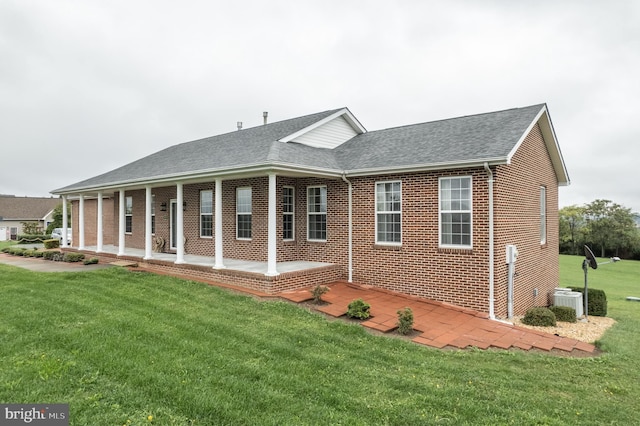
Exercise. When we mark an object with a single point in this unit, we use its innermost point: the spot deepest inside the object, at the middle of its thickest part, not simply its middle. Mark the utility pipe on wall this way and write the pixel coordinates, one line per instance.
(344, 178)
(491, 254)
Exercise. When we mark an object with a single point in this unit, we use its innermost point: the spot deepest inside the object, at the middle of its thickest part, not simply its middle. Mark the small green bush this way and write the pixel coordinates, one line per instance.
(539, 316)
(38, 254)
(73, 257)
(317, 293)
(91, 261)
(597, 303)
(29, 253)
(6, 249)
(359, 309)
(17, 251)
(53, 255)
(405, 321)
(51, 243)
(564, 313)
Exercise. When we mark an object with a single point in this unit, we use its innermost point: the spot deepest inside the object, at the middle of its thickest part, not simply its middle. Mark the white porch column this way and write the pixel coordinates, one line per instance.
(65, 222)
(99, 234)
(218, 225)
(272, 244)
(121, 223)
(147, 224)
(81, 224)
(179, 223)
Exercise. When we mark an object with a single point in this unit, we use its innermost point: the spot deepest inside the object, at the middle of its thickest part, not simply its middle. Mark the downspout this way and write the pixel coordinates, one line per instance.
(491, 256)
(344, 178)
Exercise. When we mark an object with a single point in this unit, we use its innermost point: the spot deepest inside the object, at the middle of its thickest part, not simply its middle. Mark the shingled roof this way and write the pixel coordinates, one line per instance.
(490, 137)
(26, 208)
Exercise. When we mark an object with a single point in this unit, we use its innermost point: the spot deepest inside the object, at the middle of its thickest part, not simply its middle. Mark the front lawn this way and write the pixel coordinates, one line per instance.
(133, 348)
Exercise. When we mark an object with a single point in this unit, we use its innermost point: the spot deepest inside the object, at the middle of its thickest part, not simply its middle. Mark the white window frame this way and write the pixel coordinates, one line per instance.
(442, 211)
(128, 214)
(543, 215)
(384, 203)
(320, 213)
(291, 214)
(153, 214)
(205, 191)
(245, 212)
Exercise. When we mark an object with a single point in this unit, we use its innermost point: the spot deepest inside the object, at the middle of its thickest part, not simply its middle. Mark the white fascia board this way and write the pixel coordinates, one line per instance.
(551, 142)
(426, 167)
(206, 175)
(350, 118)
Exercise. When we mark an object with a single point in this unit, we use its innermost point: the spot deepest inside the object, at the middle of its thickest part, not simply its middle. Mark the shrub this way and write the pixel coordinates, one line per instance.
(317, 293)
(29, 253)
(51, 243)
(38, 253)
(17, 251)
(539, 316)
(73, 257)
(91, 261)
(359, 309)
(6, 249)
(53, 255)
(405, 321)
(597, 303)
(564, 313)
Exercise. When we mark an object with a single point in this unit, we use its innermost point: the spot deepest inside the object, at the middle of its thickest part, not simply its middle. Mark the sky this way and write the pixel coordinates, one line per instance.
(88, 86)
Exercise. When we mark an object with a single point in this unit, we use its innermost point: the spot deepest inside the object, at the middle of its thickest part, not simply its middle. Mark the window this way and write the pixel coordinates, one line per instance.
(288, 211)
(206, 213)
(153, 213)
(455, 212)
(317, 213)
(128, 214)
(543, 215)
(388, 212)
(243, 213)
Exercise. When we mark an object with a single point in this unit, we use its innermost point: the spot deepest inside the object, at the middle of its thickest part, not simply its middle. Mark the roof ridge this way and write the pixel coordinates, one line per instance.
(455, 118)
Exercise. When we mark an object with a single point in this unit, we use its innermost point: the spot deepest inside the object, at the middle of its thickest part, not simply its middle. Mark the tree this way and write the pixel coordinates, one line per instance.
(57, 218)
(609, 226)
(572, 222)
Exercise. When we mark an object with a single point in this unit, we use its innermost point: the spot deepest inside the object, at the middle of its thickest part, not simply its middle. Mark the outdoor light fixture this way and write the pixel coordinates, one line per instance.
(163, 207)
(184, 206)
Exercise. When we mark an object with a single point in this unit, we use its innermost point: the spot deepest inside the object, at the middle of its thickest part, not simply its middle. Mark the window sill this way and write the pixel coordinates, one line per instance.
(206, 237)
(393, 247)
(317, 241)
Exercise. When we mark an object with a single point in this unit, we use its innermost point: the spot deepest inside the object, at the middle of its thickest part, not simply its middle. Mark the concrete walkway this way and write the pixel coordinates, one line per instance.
(440, 325)
(41, 265)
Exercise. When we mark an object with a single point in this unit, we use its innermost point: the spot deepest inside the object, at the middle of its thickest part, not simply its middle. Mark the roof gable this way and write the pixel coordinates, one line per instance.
(330, 132)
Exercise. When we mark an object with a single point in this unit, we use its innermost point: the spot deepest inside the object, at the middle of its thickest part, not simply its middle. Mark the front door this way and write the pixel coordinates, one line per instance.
(173, 224)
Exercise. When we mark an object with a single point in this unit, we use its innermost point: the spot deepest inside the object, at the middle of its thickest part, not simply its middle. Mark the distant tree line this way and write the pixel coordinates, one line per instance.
(608, 228)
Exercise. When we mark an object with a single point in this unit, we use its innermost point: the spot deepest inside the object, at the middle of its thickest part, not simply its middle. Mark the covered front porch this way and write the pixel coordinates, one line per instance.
(242, 273)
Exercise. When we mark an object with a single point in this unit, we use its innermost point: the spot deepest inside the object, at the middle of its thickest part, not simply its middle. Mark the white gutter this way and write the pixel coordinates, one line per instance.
(491, 256)
(344, 178)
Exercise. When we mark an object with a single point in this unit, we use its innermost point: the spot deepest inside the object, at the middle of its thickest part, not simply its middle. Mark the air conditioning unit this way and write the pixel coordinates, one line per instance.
(572, 299)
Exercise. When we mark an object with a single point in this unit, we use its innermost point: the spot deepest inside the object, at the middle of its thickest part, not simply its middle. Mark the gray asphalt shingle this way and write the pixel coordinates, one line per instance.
(457, 140)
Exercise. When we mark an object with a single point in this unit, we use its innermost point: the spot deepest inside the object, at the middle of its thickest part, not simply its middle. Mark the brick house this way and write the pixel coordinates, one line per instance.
(426, 209)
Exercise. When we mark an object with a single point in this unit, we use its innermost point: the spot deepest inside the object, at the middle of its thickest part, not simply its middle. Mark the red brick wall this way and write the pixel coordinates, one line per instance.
(517, 221)
(91, 222)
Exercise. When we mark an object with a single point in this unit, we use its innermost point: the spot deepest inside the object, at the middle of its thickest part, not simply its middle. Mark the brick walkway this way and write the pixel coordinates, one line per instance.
(440, 324)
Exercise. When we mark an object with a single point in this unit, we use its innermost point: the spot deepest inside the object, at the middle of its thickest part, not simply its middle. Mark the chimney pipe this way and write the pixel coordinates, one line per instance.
(265, 115)
(239, 125)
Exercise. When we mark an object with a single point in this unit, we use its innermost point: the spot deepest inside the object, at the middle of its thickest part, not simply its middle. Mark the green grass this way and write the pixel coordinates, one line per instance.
(120, 346)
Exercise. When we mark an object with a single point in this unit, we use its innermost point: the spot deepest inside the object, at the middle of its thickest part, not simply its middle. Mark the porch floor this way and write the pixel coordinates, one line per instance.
(229, 264)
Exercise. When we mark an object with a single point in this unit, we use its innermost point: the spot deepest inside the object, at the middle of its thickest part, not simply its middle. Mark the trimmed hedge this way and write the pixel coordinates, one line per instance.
(539, 316)
(30, 239)
(51, 243)
(564, 313)
(597, 301)
(73, 257)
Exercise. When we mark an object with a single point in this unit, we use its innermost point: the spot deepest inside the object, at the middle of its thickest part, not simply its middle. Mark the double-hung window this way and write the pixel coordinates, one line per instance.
(288, 212)
(206, 213)
(455, 212)
(543, 215)
(317, 213)
(389, 212)
(243, 213)
(128, 214)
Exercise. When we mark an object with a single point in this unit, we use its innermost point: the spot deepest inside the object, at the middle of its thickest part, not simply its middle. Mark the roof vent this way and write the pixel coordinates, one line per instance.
(264, 116)
(239, 125)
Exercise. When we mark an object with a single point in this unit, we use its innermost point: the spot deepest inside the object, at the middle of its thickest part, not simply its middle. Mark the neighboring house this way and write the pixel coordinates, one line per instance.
(16, 210)
(426, 209)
